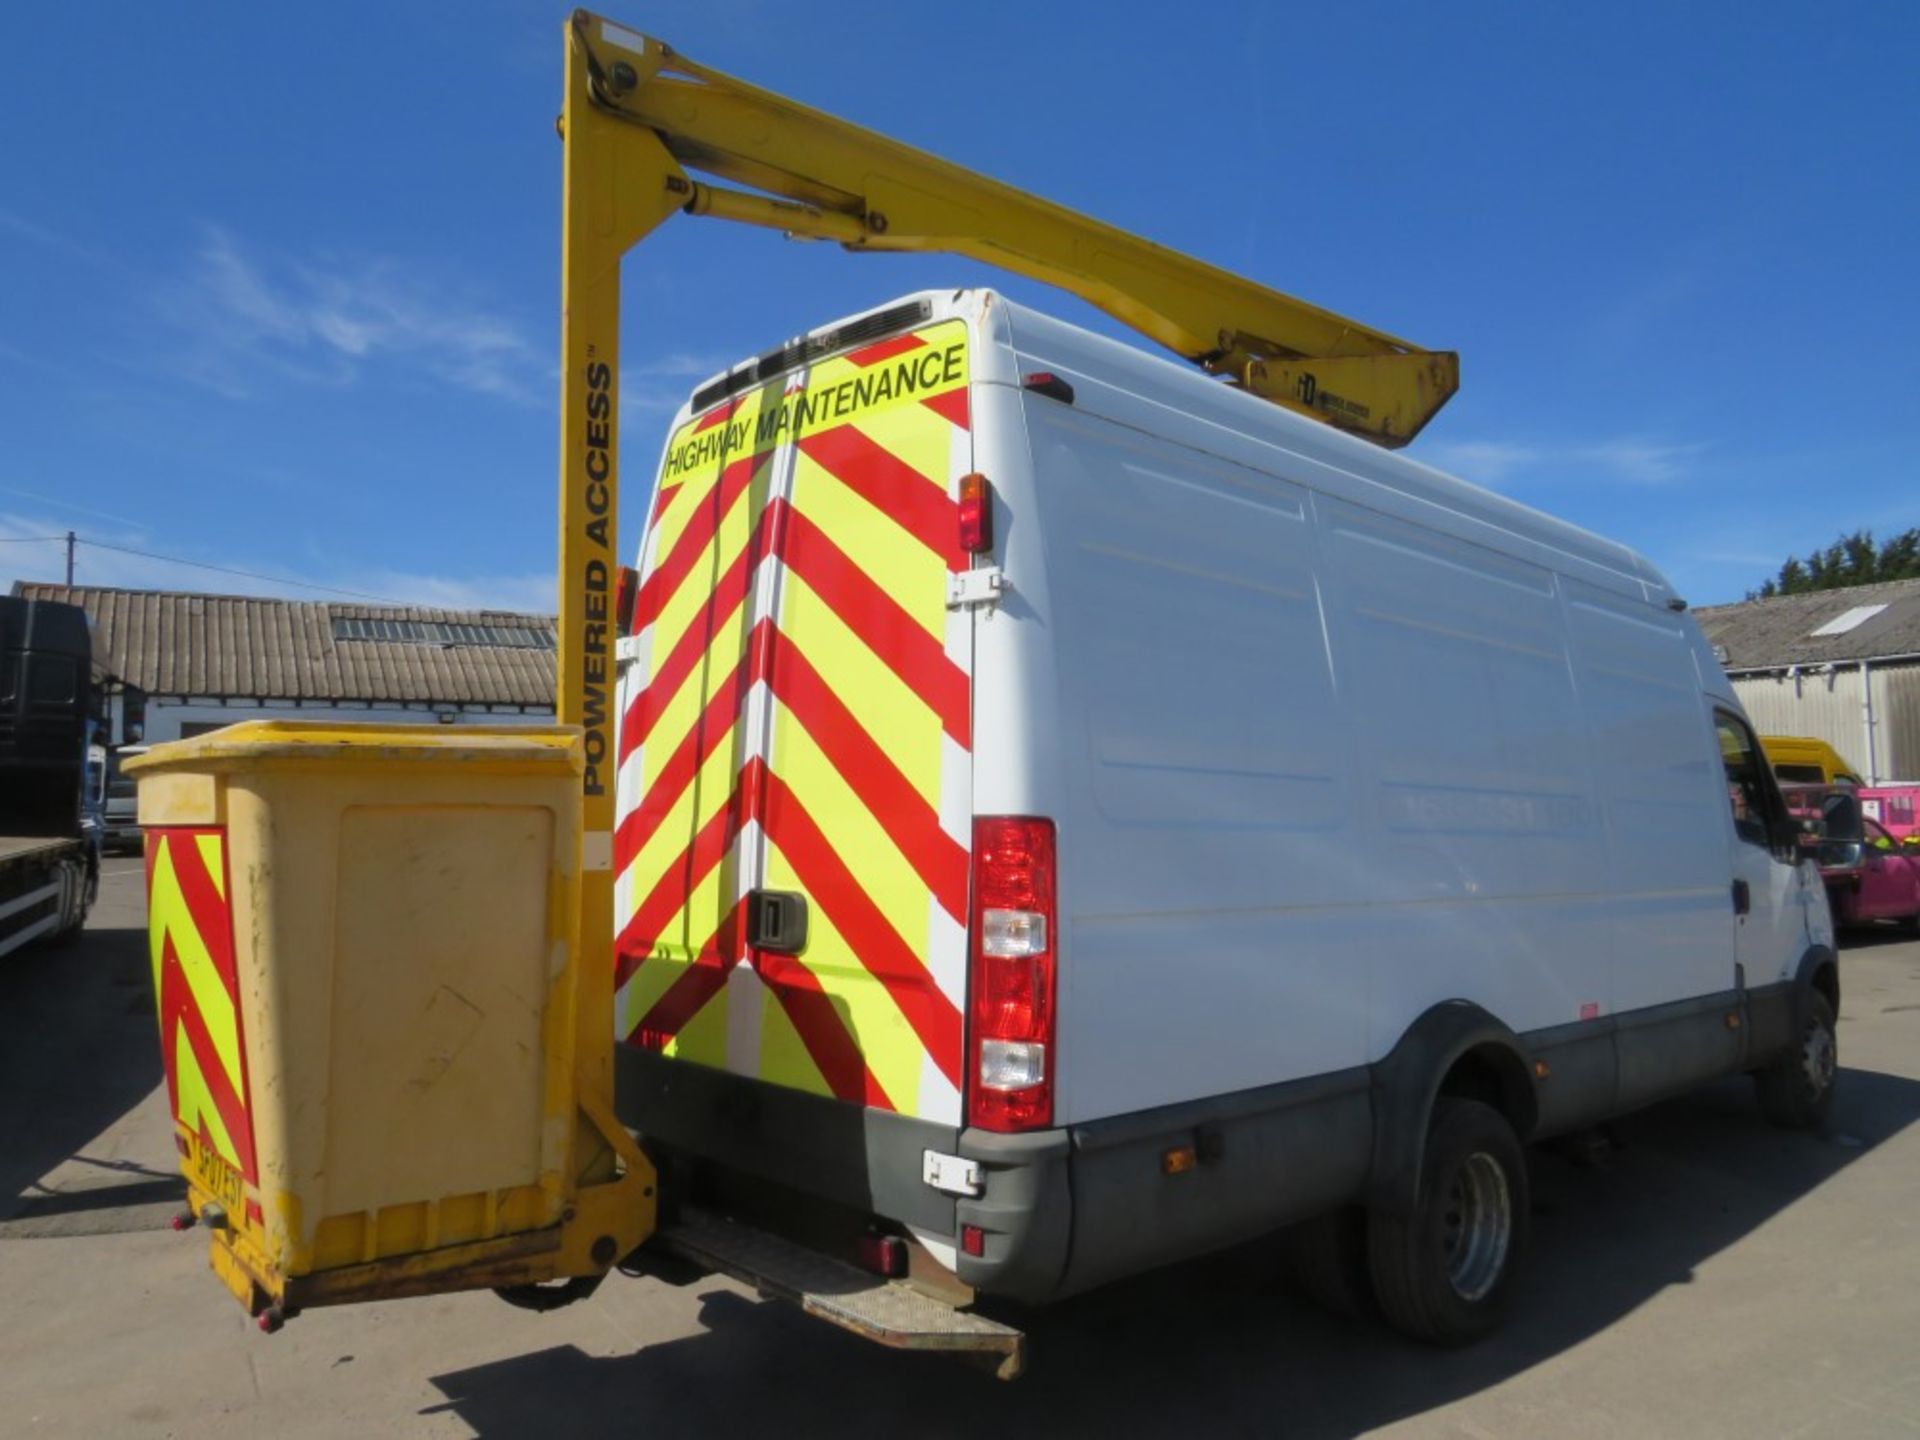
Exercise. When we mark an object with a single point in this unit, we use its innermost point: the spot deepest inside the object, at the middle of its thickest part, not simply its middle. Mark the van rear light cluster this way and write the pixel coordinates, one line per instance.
(976, 514)
(1013, 974)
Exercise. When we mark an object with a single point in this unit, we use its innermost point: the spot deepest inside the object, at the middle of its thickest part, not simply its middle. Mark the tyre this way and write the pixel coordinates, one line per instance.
(1797, 1089)
(1444, 1273)
(1326, 1259)
(69, 934)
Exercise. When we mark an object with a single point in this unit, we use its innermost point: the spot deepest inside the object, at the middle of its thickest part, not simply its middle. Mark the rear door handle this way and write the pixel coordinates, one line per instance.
(1742, 897)
(777, 921)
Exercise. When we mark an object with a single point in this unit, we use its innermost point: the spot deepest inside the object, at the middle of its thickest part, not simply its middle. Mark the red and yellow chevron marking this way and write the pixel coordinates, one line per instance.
(797, 715)
(190, 935)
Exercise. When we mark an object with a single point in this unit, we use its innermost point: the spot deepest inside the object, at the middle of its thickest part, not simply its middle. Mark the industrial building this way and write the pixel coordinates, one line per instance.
(210, 660)
(1839, 665)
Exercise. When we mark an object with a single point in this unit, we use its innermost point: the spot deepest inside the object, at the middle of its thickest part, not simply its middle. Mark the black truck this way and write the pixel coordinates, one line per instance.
(54, 730)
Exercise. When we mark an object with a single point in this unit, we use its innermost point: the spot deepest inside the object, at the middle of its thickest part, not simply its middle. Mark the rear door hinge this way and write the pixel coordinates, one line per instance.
(969, 589)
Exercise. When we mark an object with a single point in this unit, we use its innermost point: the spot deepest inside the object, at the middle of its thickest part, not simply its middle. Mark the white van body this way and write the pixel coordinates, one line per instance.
(1367, 785)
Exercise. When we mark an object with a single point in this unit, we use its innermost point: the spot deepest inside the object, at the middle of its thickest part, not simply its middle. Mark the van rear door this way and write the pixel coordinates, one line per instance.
(795, 745)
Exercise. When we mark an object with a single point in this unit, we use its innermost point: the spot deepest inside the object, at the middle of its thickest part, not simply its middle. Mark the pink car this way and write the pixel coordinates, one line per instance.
(1897, 807)
(1887, 884)
(1869, 874)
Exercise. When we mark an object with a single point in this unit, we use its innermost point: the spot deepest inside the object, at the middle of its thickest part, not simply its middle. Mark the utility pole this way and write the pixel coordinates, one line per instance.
(70, 540)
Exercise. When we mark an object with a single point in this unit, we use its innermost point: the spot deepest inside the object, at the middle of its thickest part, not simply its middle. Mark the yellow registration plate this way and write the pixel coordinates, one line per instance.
(217, 1177)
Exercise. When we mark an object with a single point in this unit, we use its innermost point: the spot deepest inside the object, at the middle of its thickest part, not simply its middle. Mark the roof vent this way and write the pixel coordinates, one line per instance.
(1848, 620)
(443, 633)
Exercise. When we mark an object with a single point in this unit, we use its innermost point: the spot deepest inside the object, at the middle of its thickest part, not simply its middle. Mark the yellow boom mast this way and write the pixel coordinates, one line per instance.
(638, 117)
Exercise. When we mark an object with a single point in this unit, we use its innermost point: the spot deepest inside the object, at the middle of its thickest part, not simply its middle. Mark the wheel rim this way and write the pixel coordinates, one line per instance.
(1817, 1057)
(1477, 1226)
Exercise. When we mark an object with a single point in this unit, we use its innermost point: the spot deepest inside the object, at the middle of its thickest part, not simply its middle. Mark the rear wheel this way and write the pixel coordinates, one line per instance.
(1797, 1089)
(69, 933)
(1443, 1274)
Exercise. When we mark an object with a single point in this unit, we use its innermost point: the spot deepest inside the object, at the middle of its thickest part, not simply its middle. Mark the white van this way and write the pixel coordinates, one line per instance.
(1075, 815)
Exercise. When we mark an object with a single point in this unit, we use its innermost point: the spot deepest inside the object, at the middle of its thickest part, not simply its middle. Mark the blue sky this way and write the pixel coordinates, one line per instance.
(278, 288)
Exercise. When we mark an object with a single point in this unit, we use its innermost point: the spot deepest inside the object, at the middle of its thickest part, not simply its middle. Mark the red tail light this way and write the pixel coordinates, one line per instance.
(884, 1255)
(1015, 942)
(976, 514)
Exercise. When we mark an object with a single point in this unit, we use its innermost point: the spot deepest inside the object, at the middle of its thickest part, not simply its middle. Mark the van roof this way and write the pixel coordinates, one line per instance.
(1184, 405)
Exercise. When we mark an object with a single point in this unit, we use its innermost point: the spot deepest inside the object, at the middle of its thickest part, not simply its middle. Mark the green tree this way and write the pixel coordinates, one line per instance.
(1850, 560)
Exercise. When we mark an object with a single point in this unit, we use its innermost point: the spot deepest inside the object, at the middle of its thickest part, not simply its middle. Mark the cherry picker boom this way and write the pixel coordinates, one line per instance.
(639, 116)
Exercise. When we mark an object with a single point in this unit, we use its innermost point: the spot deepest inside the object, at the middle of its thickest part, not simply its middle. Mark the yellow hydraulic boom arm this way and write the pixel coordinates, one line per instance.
(638, 117)
(836, 181)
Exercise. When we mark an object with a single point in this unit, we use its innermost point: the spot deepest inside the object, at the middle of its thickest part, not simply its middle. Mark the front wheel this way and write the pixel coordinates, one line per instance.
(1796, 1091)
(1444, 1273)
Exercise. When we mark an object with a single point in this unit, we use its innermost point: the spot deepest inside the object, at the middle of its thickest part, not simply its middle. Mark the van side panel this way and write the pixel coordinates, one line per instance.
(1206, 812)
(1320, 767)
(1665, 807)
(1480, 838)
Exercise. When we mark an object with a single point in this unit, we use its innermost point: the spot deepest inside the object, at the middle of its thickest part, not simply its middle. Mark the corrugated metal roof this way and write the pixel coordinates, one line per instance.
(170, 643)
(1762, 633)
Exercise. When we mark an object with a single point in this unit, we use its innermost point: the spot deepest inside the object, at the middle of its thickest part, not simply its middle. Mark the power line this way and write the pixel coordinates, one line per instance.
(243, 574)
(59, 504)
(203, 565)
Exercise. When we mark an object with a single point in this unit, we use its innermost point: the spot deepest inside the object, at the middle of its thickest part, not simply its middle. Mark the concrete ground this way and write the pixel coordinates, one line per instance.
(1708, 1277)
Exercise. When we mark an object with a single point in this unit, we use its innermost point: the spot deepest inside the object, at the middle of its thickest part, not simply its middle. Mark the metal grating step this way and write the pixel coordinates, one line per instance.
(880, 1310)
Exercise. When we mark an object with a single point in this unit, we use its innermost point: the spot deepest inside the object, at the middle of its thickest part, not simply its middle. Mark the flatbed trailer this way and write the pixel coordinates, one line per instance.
(47, 884)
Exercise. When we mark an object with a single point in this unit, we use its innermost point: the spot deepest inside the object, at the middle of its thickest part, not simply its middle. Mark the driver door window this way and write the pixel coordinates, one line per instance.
(1746, 784)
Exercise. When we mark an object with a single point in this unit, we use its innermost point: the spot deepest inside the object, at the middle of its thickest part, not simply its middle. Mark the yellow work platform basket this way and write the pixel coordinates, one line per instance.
(386, 1071)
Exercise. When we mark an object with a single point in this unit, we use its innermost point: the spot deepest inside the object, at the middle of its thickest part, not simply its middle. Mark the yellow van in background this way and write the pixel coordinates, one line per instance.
(1805, 760)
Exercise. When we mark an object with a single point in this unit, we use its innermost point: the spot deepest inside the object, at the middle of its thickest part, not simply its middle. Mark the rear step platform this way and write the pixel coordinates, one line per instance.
(881, 1310)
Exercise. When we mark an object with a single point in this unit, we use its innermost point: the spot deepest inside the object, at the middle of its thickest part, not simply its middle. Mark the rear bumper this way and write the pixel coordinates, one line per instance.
(1060, 1210)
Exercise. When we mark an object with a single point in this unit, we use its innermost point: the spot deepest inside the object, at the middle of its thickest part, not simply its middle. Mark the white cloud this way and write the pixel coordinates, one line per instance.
(1494, 463)
(1639, 461)
(40, 235)
(660, 385)
(327, 322)
(683, 364)
(1487, 461)
(533, 593)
